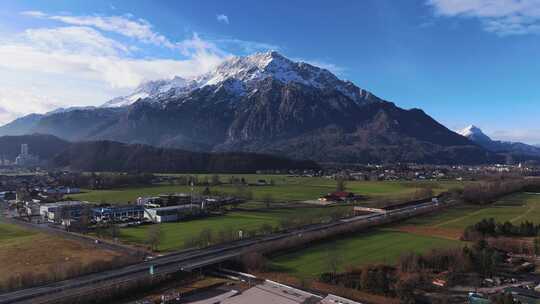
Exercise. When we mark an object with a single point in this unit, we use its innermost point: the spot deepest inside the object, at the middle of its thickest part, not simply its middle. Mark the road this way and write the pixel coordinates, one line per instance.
(188, 260)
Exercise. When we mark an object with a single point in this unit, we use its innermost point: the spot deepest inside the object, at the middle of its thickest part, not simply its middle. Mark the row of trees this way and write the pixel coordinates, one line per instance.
(490, 228)
(212, 180)
(415, 271)
(489, 191)
(105, 180)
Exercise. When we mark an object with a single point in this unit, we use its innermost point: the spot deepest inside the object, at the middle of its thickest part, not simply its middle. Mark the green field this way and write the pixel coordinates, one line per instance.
(386, 245)
(175, 235)
(285, 189)
(9, 233)
(379, 246)
(515, 208)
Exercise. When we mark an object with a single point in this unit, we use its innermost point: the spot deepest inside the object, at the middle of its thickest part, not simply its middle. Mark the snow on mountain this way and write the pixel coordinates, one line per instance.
(471, 130)
(476, 135)
(241, 75)
(148, 89)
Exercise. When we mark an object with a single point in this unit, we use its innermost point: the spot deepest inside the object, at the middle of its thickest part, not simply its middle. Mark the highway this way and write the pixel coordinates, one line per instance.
(188, 260)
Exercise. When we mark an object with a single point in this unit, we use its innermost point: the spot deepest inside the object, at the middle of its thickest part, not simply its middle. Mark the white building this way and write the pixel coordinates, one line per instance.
(171, 213)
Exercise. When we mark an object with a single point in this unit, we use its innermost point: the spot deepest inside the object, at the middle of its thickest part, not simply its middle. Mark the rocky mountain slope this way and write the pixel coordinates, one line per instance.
(266, 103)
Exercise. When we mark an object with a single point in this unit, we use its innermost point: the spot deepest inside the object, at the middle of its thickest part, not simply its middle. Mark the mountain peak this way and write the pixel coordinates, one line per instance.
(470, 130)
(474, 133)
(243, 74)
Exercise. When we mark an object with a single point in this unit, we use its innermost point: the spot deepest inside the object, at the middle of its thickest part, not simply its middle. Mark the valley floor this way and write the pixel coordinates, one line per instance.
(419, 235)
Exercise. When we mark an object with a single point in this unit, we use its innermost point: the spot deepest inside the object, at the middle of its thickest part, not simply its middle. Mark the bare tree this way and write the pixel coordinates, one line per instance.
(154, 236)
(341, 184)
(333, 260)
(215, 180)
(268, 200)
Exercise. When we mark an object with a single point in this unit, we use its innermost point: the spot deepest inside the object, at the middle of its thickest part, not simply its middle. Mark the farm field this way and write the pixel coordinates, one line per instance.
(284, 189)
(175, 235)
(377, 246)
(420, 234)
(24, 251)
(515, 208)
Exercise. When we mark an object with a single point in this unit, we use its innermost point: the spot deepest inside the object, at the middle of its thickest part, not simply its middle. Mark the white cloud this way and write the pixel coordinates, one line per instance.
(74, 39)
(79, 65)
(247, 46)
(15, 103)
(83, 53)
(124, 25)
(36, 14)
(504, 17)
(334, 68)
(223, 18)
(87, 60)
(530, 136)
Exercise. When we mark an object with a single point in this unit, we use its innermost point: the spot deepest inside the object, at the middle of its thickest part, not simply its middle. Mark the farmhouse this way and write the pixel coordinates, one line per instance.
(339, 196)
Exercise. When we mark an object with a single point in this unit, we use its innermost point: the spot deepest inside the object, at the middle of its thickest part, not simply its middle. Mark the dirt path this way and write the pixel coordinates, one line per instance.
(431, 231)
(531, 209)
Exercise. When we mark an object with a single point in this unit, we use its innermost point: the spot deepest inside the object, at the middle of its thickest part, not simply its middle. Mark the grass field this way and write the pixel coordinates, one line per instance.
(378, 246)
(515, 208)
(416, 235)
(9, 233)
(284, 189)
(175, 235)
(26, 251)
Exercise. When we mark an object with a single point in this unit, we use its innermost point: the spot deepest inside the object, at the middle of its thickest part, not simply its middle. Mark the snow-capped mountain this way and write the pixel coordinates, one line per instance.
(150, 89)
(241, 75)
(477, 135)
(266, 103)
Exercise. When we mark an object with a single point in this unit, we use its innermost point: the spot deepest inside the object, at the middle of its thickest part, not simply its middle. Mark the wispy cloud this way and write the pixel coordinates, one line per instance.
(334, 68)
(128, 26)
(223, 18)
(83, 61)
(503, 17)
(246, 46)
(530, 136)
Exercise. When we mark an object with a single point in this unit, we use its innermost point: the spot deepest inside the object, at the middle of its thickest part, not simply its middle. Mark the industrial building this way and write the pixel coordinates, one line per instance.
(25, 158)
(61, 211)
(172, 213)
(116, 214)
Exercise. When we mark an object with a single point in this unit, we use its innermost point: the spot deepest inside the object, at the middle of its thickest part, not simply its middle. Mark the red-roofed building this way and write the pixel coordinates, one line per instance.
(339, 196)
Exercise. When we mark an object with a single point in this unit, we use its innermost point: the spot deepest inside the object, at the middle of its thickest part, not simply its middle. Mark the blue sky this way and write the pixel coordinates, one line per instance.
(462, 61)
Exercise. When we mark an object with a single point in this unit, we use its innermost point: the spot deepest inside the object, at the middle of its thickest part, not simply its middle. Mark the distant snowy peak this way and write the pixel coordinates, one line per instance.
(475, 134)
(471, 130)
(241, 75)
